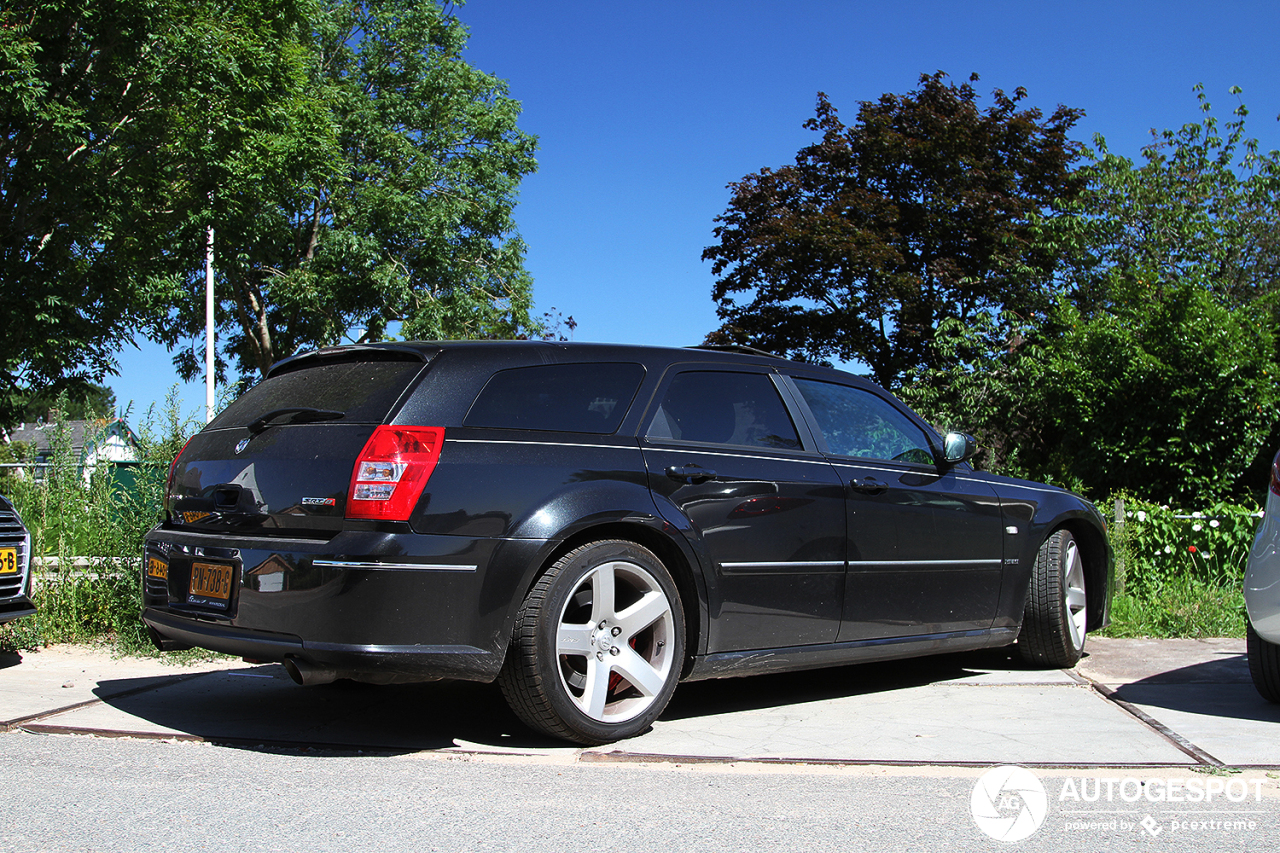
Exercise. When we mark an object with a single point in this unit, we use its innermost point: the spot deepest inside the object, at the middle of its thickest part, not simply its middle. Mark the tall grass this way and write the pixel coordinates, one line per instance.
(93, 527)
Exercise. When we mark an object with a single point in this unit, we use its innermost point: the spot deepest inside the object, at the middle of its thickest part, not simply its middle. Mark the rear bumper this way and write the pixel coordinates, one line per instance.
(413, 662)
(365, 603)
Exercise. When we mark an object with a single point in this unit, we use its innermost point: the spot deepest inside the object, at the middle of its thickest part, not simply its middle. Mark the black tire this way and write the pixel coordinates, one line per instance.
(1264, 665)
(1053, 623)
(632, 646)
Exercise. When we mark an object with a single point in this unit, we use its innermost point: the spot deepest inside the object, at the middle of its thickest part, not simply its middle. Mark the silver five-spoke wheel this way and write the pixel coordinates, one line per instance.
(598, 645)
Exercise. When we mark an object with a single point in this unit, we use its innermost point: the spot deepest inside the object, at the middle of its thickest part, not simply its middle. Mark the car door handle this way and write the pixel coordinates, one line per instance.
(690, 474)
(867, 485)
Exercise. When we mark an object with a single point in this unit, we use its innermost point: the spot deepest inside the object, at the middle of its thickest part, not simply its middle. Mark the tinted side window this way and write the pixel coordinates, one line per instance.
(364, 390)
(719, 407)
(590, 398)
(858, 423)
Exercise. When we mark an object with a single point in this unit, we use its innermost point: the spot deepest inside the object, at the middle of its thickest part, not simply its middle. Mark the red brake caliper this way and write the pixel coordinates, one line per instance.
(614, 678)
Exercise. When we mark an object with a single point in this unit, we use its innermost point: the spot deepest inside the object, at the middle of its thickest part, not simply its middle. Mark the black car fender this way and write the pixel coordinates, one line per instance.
(1037, 512)
(604, 509)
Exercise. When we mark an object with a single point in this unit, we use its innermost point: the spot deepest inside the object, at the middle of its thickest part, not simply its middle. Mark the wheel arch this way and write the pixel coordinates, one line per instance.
(1098, 567)
(663, 541)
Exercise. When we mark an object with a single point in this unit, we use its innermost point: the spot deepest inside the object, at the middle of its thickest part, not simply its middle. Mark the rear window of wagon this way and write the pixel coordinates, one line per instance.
(364, 391)
(590, 398)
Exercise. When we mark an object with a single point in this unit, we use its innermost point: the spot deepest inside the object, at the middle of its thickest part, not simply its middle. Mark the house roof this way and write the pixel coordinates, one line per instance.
(40, 435)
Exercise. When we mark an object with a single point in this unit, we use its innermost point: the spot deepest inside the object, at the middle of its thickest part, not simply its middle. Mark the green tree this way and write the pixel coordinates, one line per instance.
(1156, 371)
(927, 207)
(1172, 398)
(382, 196)
(100, 102)
(91, 401)
(1202, 207)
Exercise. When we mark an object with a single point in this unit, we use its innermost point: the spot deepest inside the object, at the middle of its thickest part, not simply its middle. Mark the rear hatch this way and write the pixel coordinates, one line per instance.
(280, 458)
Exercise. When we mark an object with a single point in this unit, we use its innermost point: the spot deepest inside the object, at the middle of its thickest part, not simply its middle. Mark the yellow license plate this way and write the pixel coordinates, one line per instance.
(211, 581)
(157, 568)
(8, 561)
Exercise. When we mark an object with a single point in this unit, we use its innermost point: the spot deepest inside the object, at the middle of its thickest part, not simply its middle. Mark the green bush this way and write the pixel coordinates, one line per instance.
(1180, 573)
(93, 527)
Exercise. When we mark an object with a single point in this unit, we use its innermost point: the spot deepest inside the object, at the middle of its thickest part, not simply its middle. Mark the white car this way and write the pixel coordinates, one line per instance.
(15, 565)
(1262, 595)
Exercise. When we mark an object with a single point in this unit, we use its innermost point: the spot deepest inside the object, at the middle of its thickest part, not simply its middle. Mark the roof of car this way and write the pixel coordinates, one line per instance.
(553, 351)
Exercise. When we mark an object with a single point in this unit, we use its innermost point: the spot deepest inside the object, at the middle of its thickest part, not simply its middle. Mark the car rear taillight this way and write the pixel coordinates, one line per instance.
(392, 471)
(1275, 474)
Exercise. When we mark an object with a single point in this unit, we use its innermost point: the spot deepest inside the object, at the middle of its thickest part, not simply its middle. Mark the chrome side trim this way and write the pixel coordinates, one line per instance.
(392, 567)
(780, 567)
(998, 562)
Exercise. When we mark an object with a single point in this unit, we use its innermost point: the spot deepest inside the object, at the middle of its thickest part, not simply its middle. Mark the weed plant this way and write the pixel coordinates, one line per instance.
(87, 528)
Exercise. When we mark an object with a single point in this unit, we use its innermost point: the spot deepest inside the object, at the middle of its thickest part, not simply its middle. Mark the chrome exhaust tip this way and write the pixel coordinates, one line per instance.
(308, 675)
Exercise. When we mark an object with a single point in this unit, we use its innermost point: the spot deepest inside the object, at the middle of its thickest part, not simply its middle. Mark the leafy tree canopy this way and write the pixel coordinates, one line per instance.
(380, 193)
(1156, 371)
(76, 403)
(100, 105)
(926, 208)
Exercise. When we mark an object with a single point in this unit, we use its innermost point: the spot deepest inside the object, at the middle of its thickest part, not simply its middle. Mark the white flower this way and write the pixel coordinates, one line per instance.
(1197, 515)
(1129, 514)
(1142, 515)
(1214, 523)
(1168, 549)
(1197, 528)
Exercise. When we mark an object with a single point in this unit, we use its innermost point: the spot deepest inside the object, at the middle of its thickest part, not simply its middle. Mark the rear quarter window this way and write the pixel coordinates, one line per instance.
(364, 391)
(590, 398)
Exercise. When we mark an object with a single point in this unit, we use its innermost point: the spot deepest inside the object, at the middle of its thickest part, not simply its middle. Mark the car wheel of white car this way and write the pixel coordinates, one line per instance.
(1264, 665)
(598, 645)
(1056, 615)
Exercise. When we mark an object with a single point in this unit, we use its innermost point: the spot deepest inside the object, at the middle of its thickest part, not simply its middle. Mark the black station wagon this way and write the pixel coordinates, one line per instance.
(589, 524)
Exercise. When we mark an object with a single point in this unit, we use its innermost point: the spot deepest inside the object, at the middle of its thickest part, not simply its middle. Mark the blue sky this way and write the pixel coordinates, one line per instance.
(646, 111)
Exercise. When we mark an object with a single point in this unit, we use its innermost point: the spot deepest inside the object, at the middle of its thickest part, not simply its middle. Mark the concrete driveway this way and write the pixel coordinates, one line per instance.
(1150, 703)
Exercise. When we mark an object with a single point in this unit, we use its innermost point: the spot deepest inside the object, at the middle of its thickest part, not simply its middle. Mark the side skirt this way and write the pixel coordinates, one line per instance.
(761, 661)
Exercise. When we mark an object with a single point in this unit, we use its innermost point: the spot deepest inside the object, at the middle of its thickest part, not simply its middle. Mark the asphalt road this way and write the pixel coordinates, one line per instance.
(70, 793)
(1147, 745)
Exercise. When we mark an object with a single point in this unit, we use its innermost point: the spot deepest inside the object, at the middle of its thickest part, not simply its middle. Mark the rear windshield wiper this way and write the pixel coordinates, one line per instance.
(301, 414)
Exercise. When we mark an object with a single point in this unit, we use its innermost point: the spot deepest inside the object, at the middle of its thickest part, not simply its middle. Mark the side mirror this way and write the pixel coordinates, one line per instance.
(958, 447)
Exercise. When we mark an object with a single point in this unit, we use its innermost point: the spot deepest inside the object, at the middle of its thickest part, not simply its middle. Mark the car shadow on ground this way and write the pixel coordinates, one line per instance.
(758, 692)
(8, 659)
(259, 707)
(1220, 688)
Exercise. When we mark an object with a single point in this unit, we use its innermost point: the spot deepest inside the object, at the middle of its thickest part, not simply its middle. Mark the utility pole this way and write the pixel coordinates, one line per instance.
(208, 327)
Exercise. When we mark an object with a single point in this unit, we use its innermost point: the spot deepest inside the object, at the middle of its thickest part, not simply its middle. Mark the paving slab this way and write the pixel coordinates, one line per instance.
(1200, 689)
(1214, 660)
(33, 683)
(944, 724)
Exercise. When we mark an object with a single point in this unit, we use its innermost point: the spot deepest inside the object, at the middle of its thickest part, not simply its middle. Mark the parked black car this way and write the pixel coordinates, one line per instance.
(589, 524)
(15, 565)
